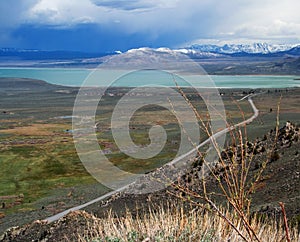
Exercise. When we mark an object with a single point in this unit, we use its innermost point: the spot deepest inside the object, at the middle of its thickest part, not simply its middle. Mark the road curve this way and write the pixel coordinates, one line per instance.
(216, 135)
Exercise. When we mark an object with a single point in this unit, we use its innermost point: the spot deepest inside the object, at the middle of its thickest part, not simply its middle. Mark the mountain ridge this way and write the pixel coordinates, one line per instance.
(230, 50)
(254, 48)
(207, 50)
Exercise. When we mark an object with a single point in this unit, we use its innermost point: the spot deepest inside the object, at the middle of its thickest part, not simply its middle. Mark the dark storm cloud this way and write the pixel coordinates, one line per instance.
(133, 23)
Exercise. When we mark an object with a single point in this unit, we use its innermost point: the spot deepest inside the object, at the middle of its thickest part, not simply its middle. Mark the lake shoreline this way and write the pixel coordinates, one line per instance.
(78, 77)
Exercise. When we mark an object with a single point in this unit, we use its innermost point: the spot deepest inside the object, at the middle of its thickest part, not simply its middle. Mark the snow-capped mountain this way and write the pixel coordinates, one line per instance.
(255, 48)
(215, 51)
(185, 51)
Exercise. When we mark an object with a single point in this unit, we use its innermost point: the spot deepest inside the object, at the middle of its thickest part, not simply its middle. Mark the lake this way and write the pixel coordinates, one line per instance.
(76, 77)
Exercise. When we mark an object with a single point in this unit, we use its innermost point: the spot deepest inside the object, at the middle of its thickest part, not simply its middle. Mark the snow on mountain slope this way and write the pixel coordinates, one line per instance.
(215, 51)
(255, 48)
(162, 50)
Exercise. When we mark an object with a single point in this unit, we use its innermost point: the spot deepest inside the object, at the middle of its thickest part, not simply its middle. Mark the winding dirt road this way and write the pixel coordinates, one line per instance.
(173, 162)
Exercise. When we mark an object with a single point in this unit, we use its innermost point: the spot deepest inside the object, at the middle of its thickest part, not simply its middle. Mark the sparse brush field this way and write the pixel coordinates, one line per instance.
(41, 173)
(38, 155)
(267, 105)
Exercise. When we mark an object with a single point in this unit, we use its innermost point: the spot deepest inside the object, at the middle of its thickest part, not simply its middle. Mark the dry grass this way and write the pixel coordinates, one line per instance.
(209, 222)
(175, 224)
(36, 130)
(234, 183)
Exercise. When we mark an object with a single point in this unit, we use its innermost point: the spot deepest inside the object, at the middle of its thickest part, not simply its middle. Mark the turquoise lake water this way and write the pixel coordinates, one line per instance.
(76, 77)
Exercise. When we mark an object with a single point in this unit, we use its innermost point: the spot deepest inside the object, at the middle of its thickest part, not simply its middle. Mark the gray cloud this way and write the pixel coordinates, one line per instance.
(125, 4)
(12, 12)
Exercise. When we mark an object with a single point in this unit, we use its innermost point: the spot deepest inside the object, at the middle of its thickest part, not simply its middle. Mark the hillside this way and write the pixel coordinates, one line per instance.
(23, 84)
(279, 183)
(241, 66)
(15, 85)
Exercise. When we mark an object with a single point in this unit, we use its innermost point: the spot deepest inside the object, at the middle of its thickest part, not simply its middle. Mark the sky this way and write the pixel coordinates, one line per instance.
(118, 25)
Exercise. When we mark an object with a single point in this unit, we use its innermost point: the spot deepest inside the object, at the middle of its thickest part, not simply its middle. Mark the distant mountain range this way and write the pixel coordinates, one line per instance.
(196, 50)
(26, 54)
(232, 50)
(255, 48)
(257, 58)
(281, 60)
